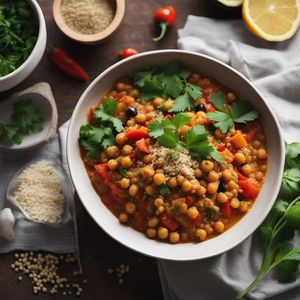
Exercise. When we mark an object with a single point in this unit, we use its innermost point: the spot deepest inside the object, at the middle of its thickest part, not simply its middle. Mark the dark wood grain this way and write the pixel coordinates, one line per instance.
(98, 251)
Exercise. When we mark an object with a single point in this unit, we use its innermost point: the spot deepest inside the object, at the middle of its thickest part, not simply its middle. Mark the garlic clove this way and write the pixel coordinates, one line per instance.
(7, 222)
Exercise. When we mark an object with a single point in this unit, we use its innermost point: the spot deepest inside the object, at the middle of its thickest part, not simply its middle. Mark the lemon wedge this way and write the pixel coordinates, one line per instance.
(272, 20)
(231, 3)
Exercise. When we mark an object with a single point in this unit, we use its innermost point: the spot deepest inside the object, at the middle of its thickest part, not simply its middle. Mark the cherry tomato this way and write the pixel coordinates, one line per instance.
(127, 53)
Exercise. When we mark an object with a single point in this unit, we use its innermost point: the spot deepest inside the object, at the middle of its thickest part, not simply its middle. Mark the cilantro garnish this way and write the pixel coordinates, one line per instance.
(169, 81)
(195, 140)
(239, 112)
(122, 171)
(25, 119)
(99, 135)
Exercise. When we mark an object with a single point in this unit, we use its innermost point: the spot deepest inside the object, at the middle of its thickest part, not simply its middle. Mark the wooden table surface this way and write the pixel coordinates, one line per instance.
(99, 252)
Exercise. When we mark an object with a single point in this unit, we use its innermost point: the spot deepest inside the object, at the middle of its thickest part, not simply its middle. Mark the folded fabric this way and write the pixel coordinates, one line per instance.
(275, 71)
(29, 235)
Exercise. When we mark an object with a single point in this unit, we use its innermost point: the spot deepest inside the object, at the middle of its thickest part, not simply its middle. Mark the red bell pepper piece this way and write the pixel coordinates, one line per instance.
(189, 201)
(250, 190)
(142, 145)
(196, 221)
(136, 134)
(166, 16)
(169, 221)
(140, 220)
(221, 147)
(250, 135)
(225, 209)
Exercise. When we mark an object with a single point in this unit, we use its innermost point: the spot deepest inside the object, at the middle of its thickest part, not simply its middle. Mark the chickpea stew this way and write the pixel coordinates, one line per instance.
(174, 154)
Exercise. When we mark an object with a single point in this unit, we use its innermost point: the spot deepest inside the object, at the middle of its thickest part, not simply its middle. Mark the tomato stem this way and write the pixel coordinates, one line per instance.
(163, 30)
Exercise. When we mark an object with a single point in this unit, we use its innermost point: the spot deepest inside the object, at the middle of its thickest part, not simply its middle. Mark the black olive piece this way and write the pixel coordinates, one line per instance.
(199, 107)
(222, 187)
(131, 112)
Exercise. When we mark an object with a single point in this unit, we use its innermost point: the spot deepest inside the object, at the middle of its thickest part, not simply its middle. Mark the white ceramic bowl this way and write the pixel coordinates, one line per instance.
(134, 239)
(12, 79)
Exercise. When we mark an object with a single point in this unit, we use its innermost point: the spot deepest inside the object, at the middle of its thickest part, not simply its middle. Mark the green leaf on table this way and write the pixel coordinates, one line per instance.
(287, 271)
(290, 186)
(293, 155)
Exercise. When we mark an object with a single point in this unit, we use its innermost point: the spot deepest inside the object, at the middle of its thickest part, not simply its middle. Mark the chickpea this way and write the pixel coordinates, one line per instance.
(148, 171)
(259, 176)
(140, 118)
(186, 186)
(183, 129)
(120, 86)
(231, 97)
(121, 138)
(174, 237)
(163, 233)
(104, 156)
(133, 190)
(263, 168)
(127, 149)
(112, 151)
(130, 207)
(239, 158)
(256, 144)
(134, 93)
(180, 179)
(172, 182)
(198, 173)
(226, 175)
(123, 218)
(219, 227)
(147, 159)
(207, 202)
(201, 190)
(149, 108)
(159, 179)
(208, 229)
(201, 234)
(247, 169)
(153, 222)
(150, 190)
(184, 236)
(150, 115)
(112, 164)
(159, 210)
(235, 203)
(130, 123)
(232, 185)
(134, 180)
(212, 187)
(168, 105)
(151, 233)
(192, 212)
(213, 176)
(126, 162)
(157, 101)
(128, 100)
(207, 166)
(261, 153)
(158, 202)
(222, 198)
(243, 208)
(124, 183)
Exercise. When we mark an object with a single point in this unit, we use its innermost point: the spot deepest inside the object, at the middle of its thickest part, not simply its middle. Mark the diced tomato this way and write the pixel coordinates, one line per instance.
(102, 170)
(142, 145)
(250, 190)
(140, 220)
(196, 221)
(113, 201)
(136, 134)
(169, 221)
(189, 201)
(250, 135)
(221, 147)
(209, 107)
(225, 209)
(90, 115)
(240, 176)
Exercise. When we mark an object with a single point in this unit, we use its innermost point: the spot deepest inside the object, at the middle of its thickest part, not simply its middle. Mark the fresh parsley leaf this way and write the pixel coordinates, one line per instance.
(201, 150)
(155, 129)
(16, 138)
(218, 101)
(169, 139)
(182, 103)
(180, 120)
(92, 149)
(110, 106)
(195, 135)
(122, 171)
(163, 190)
(194, 91)
(222, 120)
(243, 112)
(173, 86)
(212, 211)
(108, 141)
(217, 156)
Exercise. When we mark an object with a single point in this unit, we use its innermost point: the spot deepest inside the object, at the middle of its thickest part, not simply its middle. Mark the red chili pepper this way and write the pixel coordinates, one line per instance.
(127, 52)
(169, 221)
(67, 64)
(136, 134)
(225, 209)
(166, 16)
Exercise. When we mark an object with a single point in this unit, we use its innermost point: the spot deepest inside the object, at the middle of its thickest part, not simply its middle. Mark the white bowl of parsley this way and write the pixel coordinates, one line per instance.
(210, 68)
(22, 40)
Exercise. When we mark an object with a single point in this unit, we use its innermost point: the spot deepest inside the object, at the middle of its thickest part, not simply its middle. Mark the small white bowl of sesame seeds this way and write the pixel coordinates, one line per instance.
(88, 21)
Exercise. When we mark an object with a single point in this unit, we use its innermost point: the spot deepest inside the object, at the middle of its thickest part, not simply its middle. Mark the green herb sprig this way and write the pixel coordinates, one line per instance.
(100, 134)
(195, 140)
(280, 227)
(25, 119)
(18, 34)
(239, 112)
(170, 81)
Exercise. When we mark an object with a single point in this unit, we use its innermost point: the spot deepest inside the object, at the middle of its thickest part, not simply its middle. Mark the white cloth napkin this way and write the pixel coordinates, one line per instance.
(275, 71)
(29, 235)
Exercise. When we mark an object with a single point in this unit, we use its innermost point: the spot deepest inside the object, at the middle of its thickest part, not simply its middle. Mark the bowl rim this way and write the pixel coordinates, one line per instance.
(42, 28)
(88, 38)
(237, 241)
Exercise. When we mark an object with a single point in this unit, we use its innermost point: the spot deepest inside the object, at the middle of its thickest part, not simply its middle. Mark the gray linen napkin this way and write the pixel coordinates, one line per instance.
(29, 235)
(275, 71)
